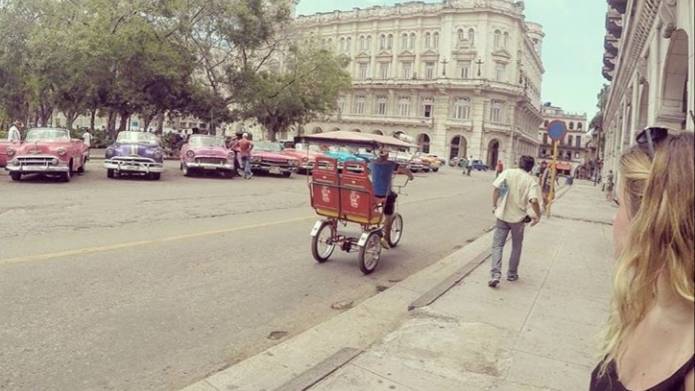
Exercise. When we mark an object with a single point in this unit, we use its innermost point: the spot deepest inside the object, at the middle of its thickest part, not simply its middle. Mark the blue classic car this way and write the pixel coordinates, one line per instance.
(135, 153)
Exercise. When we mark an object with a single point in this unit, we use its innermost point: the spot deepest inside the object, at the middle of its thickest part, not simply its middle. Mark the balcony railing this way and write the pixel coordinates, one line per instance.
(385, 119)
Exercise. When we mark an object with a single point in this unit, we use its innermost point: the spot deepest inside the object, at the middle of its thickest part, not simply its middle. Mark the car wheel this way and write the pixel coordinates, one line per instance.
(66, 176)
(186, 170)
(435, 169)
(81, 169)
(287, 174)
(155, 176)
(109, 173)
(16, 176)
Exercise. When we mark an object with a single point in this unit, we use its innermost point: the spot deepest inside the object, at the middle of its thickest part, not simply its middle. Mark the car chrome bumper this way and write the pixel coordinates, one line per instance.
(133, 166)
(36, 169)
(273, 169)
(210, 166)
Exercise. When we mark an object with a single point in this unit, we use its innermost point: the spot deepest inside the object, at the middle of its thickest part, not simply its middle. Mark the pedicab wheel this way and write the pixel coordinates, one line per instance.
(322, 246)
(370, 253)
(396, 230)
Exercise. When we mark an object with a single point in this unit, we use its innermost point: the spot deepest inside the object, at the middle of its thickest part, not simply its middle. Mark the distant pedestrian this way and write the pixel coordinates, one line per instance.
(87, 138)
(649, 343)
(14, 134)
(469, 166)
(464, 165)
(499, 168)
(245, 147)
(511, 210)
(609, 186)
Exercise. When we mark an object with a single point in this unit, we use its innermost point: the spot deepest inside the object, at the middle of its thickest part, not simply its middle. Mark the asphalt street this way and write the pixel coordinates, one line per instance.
(132, 284)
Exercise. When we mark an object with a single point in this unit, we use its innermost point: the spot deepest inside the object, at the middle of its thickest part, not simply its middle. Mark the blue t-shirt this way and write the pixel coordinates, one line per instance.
(382, 172)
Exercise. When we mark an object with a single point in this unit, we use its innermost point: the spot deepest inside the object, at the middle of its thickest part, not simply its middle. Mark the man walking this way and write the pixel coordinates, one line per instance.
(464, 164)
(14, 135)
(469, 166)
(245, 146)
(514, 190)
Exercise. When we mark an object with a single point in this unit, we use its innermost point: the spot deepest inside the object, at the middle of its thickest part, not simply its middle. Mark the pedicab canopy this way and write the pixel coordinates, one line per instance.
(346, 138)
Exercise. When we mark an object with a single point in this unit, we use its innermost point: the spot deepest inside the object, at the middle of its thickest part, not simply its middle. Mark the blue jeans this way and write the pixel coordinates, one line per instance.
(502, 229)
(246, 164)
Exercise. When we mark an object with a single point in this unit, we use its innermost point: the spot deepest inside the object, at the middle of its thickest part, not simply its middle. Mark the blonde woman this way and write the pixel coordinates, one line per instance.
(650, 340)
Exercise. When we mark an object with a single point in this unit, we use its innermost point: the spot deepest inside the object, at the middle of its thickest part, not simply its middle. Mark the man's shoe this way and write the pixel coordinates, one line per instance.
(513, 278)
(493, 283)
(385, 243)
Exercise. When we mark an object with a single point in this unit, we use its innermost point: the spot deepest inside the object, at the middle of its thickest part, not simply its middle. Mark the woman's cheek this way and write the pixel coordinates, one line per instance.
(620, 229)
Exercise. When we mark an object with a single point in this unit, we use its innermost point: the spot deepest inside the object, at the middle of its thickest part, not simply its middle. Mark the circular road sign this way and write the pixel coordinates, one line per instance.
(557, 130)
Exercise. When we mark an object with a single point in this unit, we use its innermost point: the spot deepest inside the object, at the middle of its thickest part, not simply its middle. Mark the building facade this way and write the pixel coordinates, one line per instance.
(572, 149)
(460, 77)
(649, 61)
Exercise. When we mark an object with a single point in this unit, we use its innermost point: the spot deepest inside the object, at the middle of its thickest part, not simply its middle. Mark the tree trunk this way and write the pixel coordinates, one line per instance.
(160, 123)
(124, 122)
(92, 118)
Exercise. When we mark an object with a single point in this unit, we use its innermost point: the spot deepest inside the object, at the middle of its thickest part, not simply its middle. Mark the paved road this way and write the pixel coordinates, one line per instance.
(132, 284)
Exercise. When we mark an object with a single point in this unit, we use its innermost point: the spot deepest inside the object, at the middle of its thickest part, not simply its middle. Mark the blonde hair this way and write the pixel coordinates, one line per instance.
(660, 199)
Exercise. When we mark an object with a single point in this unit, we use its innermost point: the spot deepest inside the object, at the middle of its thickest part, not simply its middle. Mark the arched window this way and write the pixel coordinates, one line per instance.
(411, 44)
(382, 41)
(571, 127)
(404, 41)
(506, 40)
(579, 125)
(545, 124)
(363, 43)
(342, 44)
(389, 44)
(471, 36)
(498, 36)
(428, 40)
(435, 40)
(369, 42)
(461, 36)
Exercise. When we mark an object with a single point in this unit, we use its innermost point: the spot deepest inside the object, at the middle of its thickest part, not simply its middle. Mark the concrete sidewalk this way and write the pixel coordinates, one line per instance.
(538, 333)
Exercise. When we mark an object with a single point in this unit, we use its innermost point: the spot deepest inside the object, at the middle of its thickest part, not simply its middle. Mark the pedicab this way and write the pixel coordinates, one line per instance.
(343, 196)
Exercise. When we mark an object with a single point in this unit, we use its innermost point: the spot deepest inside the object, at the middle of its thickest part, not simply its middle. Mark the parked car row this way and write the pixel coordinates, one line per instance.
(51, 151)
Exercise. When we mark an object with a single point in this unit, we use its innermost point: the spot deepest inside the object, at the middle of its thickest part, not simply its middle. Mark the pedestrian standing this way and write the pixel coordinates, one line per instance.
(649, 342)
(464, 164)
(499, 168)
(87, 138)
(14, 134)
(469, 166)
(245, 147)
(609, 185)
(511, 211)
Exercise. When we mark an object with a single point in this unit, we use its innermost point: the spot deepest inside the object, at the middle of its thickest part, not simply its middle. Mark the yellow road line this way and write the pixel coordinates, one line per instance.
(112, 247)
(139, 243)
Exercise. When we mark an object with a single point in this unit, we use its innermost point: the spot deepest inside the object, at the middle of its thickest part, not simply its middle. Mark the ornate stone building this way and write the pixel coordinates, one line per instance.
(649, 60)
(461, 77)
(572, 148)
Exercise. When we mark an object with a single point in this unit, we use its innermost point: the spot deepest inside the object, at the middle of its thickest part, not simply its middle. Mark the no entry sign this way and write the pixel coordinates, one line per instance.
(557, 130)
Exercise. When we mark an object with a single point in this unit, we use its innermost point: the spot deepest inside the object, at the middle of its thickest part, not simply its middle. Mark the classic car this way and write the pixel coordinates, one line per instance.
(478, 165)
(432, 161)
(135, 153)
(409, 160)
(4, 145)
(305, 154)
(204, 153)
(48, 151)
(267, 157)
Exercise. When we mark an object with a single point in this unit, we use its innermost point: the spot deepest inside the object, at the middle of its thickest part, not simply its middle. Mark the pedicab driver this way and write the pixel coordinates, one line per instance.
(382, 170)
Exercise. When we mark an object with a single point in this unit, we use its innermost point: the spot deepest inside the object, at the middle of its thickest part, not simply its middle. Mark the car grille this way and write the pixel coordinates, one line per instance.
(275, 163)
(211, 160)
(37, 160)
(132, 159)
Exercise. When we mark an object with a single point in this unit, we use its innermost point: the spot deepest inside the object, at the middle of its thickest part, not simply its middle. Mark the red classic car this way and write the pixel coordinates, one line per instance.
(204, 153)
(305, 154)
(268, 157)
(4, 145)
(47, 151)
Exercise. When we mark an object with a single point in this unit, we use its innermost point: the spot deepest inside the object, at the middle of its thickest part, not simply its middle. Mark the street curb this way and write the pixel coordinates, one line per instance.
(355, 329)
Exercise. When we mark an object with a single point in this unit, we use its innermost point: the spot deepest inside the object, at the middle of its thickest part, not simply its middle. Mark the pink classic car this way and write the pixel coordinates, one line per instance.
(48, 151)
(305, 154)
(268, 157)
(4, 145)
(206, 154)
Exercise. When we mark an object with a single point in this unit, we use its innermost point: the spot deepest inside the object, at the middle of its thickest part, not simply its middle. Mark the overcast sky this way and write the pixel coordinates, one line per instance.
(572, 49)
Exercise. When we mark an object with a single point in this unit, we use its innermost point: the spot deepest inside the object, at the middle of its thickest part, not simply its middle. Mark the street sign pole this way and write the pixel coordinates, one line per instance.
(553, 175)
(556, 131)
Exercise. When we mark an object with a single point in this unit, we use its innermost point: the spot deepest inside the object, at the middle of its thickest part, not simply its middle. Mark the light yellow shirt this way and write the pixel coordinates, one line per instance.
(521, 188)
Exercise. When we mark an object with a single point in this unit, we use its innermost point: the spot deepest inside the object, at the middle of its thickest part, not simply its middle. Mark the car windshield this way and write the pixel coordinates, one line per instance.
(137, 137)
(47, 134)
(310, 147)
(267, 146)
(206, 141)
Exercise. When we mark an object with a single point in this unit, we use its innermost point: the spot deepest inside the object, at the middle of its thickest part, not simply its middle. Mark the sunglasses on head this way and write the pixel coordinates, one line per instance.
(649, 137)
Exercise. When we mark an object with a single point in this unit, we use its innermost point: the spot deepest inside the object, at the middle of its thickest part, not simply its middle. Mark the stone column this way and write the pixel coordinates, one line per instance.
(475, 141)
(438, 130)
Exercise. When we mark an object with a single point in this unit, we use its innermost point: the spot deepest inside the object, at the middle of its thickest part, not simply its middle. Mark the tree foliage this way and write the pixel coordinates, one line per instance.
(215, 59)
